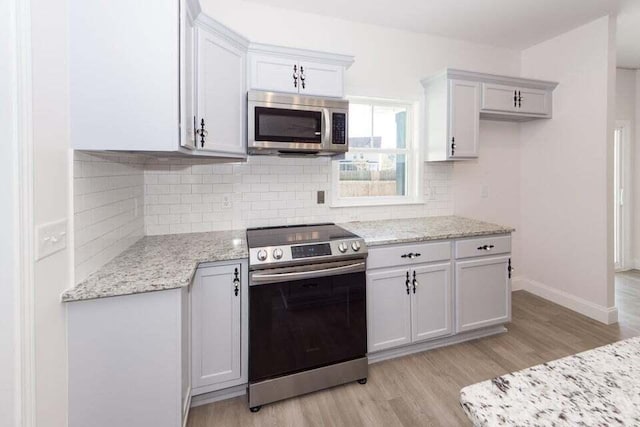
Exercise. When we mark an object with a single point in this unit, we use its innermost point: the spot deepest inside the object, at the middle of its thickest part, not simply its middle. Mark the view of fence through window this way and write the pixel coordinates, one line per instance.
(376, 164)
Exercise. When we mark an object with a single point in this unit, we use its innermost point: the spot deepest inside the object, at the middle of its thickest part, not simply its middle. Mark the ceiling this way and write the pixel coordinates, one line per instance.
(515, 24)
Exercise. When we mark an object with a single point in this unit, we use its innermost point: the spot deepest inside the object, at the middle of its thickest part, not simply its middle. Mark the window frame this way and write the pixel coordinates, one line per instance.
(413, 159)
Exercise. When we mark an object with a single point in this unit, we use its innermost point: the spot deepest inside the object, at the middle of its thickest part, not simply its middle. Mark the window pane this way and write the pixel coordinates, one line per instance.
(373, 175)
(360, 122)
(389, 127)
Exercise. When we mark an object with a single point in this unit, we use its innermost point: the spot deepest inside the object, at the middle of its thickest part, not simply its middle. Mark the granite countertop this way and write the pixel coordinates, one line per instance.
(595, 388)
(156, 263)
(169, 261)
(391, 231)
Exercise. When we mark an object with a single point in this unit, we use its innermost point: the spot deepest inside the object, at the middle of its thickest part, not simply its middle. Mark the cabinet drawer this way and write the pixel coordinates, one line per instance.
(389, 256)
(488, 245)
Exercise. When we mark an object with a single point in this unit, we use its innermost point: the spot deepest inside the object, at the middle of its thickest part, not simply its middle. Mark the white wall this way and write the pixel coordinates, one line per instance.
(626, 105)
(566, 180)
(498, 170)
(9, 322)
(108, 204)
(51, 203)
(389, 63)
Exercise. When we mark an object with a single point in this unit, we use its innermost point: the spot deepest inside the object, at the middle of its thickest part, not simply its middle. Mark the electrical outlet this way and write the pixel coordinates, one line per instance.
(320, 197)
(226, 201)
(484, 191)
(430, 193)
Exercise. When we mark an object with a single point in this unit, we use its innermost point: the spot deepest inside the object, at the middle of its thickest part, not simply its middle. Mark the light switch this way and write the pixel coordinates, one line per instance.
(51, 238)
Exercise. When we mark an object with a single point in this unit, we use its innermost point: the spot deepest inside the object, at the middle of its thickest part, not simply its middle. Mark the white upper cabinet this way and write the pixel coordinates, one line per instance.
(280, 69)
(220, 117)
(125, 74)
(456, 100)
(464, 120)
(515, 100)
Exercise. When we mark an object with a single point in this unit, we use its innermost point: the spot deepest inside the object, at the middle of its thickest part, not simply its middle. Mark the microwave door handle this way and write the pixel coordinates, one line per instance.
(327, 125)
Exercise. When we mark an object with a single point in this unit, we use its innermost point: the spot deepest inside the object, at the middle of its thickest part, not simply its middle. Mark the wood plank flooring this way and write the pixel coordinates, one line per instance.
(423, 389)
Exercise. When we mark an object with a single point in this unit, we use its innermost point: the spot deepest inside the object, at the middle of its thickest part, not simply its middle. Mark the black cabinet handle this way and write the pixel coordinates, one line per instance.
(515, 98)
(519, 100)
(236, 282)
(415, 282)
(295, 76)
(202, 132)
(453, 146)
(407, 284)
(411, 255)
(486, 247)
(302, 77)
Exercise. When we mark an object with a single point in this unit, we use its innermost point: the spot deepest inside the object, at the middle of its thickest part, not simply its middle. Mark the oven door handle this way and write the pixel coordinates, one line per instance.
(265, 278)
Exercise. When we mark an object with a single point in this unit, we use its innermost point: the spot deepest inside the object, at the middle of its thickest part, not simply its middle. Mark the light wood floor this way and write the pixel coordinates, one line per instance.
(422, 389)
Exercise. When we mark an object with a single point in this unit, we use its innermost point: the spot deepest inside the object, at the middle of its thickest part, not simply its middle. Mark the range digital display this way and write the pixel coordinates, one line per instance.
(306, 251)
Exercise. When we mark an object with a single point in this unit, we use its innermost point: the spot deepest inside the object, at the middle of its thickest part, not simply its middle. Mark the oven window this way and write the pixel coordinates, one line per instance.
(282, 125)
(306, 324)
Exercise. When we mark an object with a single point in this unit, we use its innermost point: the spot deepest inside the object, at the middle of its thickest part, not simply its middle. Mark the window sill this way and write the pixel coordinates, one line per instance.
(345, 203)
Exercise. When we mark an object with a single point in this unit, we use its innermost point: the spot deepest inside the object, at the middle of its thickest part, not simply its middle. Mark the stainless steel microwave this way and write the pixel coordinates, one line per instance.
(280, 123)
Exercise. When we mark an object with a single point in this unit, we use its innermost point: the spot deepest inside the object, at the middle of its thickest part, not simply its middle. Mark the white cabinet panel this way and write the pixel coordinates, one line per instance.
(123, 64)
(274, 73)
(431, 302)
(321, 79)
(499, 97)
(221, 94)
(187, 88)
(401, 255)
(534, 101)
(464, 118)
(483, 293)
(388, 309)
(216, 325)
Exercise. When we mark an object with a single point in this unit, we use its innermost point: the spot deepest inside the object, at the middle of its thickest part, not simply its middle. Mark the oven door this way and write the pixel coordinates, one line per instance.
(302, 318)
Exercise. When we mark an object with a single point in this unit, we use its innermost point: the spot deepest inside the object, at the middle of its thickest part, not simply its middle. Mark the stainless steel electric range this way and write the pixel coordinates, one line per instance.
(307, 310)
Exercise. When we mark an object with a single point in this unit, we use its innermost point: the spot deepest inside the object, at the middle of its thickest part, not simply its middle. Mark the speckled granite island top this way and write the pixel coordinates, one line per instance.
(391, 231)
(599, 387)
(159, 262)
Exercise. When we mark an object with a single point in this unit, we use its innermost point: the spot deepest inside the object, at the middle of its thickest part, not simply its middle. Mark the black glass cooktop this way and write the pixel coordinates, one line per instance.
(295, 234)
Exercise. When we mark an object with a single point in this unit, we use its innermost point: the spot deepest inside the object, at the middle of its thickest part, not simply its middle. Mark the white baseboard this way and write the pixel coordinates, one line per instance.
(215, 396)
(518, 283)
(606, 315)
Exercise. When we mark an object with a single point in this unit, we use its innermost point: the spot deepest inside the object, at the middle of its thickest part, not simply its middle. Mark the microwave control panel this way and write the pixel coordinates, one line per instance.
(339, 130)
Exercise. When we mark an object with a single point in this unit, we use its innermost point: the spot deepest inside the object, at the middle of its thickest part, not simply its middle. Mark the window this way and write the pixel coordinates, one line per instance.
(381, 166)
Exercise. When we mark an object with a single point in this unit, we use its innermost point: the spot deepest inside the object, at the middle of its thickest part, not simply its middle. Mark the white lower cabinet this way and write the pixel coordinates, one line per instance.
(389, 310)
(409, 303)
(483, 292)
(218, 305)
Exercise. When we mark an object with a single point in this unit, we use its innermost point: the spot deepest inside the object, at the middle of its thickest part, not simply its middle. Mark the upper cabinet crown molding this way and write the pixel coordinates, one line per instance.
(302, 54)
(216, 28)
(454, 73)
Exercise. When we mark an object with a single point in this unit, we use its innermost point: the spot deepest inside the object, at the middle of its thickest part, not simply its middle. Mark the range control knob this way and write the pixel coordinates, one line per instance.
(262, 255)
(342, 247)
(277, 253)
(355, 246)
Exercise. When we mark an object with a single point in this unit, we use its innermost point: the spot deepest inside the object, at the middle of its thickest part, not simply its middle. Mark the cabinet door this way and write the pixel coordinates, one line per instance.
(221, 94)
(187, 84)
(431, 302)
(464, 118)
(274, 73)
(388, 310)
(534, 101)
(483, 293)
(321, 79)
(499, 98)
(215, 311)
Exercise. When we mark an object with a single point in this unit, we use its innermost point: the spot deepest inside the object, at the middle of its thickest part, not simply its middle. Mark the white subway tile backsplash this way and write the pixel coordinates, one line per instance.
(265, 191)
(108, 207)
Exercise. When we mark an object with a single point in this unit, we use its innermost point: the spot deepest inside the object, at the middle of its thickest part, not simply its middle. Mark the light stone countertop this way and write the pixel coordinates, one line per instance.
(595, 388)
(169, 261)
(156, 263)
(385, 232)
